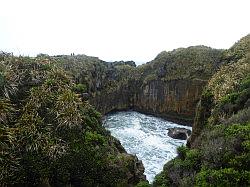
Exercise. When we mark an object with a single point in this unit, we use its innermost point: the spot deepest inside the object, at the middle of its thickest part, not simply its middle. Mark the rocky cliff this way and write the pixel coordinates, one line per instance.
(169, 86)
(217, 153)
(174, 99)
(50, 134)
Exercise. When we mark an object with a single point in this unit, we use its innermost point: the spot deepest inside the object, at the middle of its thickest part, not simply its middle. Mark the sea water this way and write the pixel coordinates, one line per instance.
(146, 137)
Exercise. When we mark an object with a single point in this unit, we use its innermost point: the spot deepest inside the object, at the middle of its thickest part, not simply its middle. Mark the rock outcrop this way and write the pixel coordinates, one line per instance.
(174, 100)
(217, 152)
(179, 133)
(51, 134)
(169, 86)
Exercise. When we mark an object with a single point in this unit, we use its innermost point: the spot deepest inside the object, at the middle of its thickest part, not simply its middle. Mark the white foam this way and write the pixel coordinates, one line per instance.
(145, 136)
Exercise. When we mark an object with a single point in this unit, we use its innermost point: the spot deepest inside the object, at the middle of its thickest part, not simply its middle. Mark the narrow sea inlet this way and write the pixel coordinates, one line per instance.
(146, 136)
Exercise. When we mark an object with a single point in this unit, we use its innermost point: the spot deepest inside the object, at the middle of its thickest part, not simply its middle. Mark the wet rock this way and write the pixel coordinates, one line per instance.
(137, 173)
(179, 133)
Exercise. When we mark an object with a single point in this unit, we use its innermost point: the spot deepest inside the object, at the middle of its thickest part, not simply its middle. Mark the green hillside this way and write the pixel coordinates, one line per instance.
(51, 111)
(50, 135)
(218, 151)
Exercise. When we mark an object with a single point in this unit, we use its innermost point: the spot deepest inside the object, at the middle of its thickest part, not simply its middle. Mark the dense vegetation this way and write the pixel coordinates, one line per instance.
(197, 62)
(50, 135)
(219, 151)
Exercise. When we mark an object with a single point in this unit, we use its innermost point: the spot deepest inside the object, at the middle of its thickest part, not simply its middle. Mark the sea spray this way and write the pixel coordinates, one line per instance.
(146, 136)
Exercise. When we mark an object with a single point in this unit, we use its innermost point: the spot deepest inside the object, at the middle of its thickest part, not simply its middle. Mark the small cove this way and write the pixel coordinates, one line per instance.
(146, 136)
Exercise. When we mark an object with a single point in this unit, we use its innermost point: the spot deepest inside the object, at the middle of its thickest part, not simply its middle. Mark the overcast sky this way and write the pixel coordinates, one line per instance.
(120, 29)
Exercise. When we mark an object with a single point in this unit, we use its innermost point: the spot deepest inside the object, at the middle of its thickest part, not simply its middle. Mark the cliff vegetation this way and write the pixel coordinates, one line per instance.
(50, 135)
(51, 132)
(218, 151)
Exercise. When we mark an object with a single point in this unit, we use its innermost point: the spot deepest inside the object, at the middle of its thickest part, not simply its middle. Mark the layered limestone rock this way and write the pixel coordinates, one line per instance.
(174, 100)
(169, 86)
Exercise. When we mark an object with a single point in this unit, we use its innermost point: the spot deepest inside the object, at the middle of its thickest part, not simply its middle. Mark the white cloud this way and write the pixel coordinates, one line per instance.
(120, 29)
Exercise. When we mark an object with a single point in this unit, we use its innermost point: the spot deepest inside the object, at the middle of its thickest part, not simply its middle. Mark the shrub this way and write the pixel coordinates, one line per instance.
(80, 88)
(245, 84)
(241, 117)
(222, 177)
(239, 131)
(194, 158)
(230, 98)
(94, 138)
(161, 180)
(143, 184)
(181, 151)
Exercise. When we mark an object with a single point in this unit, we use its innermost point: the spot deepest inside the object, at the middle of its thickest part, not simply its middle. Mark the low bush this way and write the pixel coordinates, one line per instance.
(80, 88)
(222, 177)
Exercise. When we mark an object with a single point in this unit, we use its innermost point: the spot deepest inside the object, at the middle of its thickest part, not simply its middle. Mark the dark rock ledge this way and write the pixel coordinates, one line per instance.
(179, 133)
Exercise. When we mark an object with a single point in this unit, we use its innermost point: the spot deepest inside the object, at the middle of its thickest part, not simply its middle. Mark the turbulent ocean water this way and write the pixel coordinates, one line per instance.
(146, 136)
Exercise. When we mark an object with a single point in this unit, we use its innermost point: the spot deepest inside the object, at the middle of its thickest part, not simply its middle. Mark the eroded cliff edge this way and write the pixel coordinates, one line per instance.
(169, 86)
(174, 100)
(51, 135)
(217, 153)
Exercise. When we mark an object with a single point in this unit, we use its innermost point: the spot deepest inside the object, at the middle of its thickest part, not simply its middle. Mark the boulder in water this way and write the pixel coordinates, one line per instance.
(179, 133)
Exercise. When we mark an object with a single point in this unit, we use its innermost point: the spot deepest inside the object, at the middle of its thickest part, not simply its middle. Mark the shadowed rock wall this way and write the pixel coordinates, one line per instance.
(174, 100)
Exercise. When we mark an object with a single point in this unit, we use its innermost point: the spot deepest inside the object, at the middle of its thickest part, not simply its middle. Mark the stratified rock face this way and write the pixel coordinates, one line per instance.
(169, 86)
(119, 99)
(174, 99)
